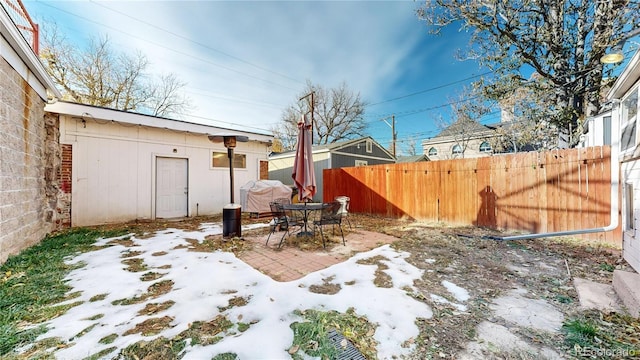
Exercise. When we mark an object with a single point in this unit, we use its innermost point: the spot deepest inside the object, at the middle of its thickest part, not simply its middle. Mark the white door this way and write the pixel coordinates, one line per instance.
(172, 188)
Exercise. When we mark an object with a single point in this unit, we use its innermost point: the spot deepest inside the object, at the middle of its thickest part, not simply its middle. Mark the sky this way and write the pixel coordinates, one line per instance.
(244, 62)
(205, 282)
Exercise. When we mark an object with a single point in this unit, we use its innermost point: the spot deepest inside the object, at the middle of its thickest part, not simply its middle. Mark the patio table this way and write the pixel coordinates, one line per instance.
(306, 209)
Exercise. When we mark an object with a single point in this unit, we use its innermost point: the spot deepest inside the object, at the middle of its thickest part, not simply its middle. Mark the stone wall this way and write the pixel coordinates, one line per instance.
(29, 163)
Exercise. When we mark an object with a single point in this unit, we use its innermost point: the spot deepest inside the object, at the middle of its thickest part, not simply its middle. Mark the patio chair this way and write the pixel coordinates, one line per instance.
(330, 215)
(279, 221)
(344, 207)
(282, 200)
(282, 220)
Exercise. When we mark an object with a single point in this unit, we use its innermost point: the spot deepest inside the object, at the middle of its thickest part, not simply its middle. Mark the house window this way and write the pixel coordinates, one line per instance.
(629, 110)
(369, 145)
(485, 147)
(629, 218)
(606, 130)
(433, 152)
(221, 160)
(628, 136)
(456, 150)
(361, 163)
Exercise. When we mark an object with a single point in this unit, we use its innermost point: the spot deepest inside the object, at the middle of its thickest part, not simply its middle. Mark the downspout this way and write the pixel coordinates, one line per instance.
(615, 180)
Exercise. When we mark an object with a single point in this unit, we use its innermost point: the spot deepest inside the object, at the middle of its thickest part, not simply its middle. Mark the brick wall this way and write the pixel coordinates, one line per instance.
(64, 181)
(27, 189)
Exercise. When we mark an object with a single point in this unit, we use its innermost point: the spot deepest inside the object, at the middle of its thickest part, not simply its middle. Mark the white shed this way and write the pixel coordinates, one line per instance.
(119, 166)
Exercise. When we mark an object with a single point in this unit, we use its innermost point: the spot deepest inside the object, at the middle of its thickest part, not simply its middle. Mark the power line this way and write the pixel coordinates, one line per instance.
(170, 49)
(197, 42)
(431, 89)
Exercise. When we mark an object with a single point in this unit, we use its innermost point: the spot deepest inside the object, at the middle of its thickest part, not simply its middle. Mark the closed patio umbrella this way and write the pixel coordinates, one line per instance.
(303, 174)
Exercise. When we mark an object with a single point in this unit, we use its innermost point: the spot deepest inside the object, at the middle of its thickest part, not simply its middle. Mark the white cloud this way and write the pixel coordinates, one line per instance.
(361, 43)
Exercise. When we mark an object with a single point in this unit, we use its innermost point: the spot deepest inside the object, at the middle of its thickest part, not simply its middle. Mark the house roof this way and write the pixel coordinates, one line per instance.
(333, 147)
(463, 126)
(414, 158)
(101, 113)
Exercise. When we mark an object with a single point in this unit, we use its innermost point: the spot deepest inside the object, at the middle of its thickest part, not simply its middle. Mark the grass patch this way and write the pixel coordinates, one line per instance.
(34, 279)
(382, 279)
(160, 348)
(235, 301)
(101, 354)
(134, 264)
(311, 338)
(98, 297)
(207, 333)
(153, 291)
(84, 331)
(108, 339)
(154, 308)
(611, 333)
(151, 326)
(327, 287)
(225, 356)
(150, 276)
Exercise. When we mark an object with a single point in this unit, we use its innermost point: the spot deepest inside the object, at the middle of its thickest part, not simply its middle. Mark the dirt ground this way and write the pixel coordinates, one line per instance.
(486, 268)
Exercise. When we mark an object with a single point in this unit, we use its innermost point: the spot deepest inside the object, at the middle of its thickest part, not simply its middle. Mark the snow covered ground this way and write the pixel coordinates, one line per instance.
(203, 284)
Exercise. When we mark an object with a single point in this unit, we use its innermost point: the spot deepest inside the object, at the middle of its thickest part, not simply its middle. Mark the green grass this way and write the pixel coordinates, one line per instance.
(311, 338)
(34, 279)
(611, 333)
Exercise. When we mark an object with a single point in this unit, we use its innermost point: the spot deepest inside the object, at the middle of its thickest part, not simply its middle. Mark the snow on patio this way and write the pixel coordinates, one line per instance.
(203, 284)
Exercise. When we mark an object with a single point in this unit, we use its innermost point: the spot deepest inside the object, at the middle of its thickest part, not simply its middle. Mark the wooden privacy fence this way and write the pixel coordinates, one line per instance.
(558, 190)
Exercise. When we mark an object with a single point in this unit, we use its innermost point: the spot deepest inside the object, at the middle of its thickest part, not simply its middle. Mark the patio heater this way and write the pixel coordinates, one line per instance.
(232, 212)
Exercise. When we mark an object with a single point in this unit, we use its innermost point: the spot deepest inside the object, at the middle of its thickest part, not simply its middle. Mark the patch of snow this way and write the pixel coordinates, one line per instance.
(459, 293)
(440, 300)
(203, 283)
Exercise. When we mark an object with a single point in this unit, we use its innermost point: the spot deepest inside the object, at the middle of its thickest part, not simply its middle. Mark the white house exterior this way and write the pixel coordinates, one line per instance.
(120, 166)
(460, 140)
(624, 97)
(597, 130)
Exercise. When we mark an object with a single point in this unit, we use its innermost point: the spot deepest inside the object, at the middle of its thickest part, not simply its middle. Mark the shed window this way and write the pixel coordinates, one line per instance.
(433, 152)
(361, 163)
(456, 150)
(485, 147)
(221, 160)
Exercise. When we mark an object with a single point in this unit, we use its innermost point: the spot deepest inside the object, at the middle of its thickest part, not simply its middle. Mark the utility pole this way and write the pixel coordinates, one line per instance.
(393, 133)
(312, 102)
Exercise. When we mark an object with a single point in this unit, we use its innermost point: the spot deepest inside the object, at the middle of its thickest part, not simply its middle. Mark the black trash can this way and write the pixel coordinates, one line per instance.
(232, 221)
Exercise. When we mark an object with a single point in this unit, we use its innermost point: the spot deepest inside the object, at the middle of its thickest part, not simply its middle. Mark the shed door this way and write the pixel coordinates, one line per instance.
(172, 187)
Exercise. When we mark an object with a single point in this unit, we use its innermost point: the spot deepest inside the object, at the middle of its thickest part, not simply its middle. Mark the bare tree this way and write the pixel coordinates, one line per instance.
(523, 127)
(99, 76)
(465, 125)
(410, 146)
(561, 40)
(338, 114)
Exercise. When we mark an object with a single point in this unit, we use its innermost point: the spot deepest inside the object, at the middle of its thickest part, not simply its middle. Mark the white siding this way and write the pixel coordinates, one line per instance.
(114, 169)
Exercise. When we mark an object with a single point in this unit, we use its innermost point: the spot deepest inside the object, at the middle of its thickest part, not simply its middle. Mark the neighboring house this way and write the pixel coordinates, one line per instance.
(462, 139)
(597, 129)
(120, 166)
(358, 152)
(624, 97)
(412, 159)
(28, 182)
